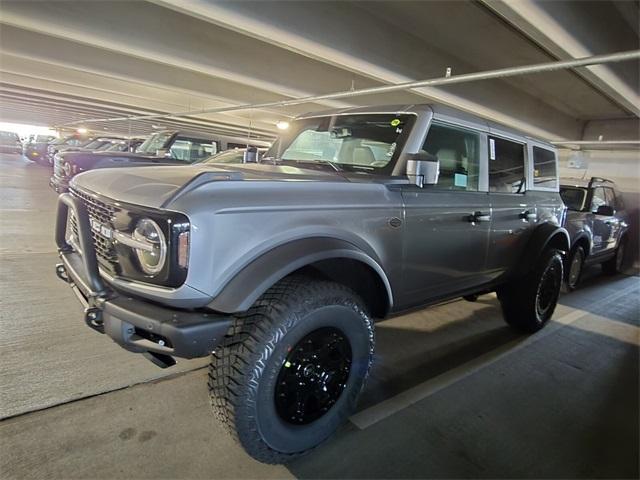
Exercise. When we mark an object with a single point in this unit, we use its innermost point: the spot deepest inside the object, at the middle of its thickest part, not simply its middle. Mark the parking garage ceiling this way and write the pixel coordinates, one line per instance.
(64, 62)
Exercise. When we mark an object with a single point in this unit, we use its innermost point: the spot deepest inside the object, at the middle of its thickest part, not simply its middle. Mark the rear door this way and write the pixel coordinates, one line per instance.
(445, 250)
(513, 208)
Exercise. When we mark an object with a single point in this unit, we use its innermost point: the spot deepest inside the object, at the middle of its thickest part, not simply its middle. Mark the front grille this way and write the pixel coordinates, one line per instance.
(102, 213)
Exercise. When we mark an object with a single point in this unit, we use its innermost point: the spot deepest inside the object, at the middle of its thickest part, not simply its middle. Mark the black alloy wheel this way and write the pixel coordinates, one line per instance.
(313, 376)
(548, 289)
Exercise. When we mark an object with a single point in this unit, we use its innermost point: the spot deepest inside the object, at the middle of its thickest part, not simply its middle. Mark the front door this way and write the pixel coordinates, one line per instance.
(446, 225)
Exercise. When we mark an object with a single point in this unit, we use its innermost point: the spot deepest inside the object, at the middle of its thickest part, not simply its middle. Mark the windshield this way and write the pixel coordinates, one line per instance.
(228, 156)
(573, 197)
(94, 144)
(365, 143)
(154, 143)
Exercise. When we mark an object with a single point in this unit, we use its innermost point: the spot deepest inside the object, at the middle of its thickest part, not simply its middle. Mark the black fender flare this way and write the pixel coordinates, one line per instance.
(544, 236)
(255, 278)
(583, 235)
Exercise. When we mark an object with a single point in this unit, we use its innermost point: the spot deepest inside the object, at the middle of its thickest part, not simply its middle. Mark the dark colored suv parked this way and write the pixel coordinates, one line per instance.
(277, 269)
(36, 149)
(597, 224)
(169, 147)
(75, 140)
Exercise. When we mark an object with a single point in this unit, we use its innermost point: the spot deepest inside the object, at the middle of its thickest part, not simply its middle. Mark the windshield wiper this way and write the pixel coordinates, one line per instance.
(322, 162)
(277, 161)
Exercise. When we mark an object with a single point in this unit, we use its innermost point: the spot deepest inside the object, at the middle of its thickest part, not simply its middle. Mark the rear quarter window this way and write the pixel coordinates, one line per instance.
(544, 168)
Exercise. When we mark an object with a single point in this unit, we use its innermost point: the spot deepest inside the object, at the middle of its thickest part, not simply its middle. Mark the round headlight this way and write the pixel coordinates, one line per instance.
(153, 256)
(66, 168)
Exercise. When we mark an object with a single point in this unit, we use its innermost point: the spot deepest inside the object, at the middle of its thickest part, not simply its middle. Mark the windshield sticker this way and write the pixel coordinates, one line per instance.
(395, 122)
(492, 149)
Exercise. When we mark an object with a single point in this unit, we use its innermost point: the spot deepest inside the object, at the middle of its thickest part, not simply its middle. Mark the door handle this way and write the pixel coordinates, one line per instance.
(611, 222)
(528, 215)
(479, 217)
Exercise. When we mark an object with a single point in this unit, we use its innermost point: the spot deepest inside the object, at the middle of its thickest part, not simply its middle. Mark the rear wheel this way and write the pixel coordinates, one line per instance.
(574, 268)
(291, 368)
(527, 304)
(615, 264)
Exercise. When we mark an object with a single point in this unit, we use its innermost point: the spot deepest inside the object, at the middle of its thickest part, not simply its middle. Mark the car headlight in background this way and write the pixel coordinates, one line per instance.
(67, 169)
(152, 246)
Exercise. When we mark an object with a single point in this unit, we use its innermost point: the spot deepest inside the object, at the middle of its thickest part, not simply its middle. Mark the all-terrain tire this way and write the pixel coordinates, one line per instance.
(528, 303)
(245, 372)
(614, 265)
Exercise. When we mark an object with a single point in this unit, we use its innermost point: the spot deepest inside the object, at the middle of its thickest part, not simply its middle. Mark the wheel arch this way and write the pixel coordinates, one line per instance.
(583, 241)
(330, 258)
(544, 236)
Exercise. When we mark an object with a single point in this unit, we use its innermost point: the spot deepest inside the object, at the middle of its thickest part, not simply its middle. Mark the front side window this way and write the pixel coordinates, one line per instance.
(598, 199)
(610, 196)
(190, 150)
(544, 168)
(458, 152)
(364, 143)
(506, 166)
(573, 197)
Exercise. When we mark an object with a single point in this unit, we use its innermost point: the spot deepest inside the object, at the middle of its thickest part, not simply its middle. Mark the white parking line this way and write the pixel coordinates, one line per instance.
(382, 410)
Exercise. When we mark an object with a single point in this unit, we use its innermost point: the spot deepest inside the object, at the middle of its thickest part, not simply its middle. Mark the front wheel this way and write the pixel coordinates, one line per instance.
(291, 368)
(528, 303)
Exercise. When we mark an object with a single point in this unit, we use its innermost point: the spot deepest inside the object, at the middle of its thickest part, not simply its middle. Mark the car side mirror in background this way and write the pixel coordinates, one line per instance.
(423, 169)
(162, 152)
(605, 211)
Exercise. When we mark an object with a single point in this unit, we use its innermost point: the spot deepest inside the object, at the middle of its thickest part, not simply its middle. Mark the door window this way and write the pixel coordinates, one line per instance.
(190, 150)
(506, 166)
(458, 152)
(599, 198)
(611, 198)
(544, 168)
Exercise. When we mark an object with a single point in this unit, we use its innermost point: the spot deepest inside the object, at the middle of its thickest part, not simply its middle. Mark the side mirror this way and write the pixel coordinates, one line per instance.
(162, 152)
(423, 169)
(605, 211)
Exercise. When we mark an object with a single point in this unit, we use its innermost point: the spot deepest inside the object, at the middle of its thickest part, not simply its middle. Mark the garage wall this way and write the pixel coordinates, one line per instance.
(621, 166)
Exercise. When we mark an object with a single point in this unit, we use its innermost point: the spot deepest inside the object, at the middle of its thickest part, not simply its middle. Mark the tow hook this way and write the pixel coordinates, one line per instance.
(61, 272)
(93, 318)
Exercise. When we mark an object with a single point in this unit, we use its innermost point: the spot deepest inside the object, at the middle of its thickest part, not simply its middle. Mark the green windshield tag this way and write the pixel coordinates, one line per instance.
(395, 122)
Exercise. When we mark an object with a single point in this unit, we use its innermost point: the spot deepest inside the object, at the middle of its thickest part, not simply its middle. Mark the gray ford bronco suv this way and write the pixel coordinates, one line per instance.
(597, 223)
(278, 269)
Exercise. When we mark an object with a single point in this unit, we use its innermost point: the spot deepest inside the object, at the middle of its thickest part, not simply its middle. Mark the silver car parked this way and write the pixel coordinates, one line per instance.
(278, 269)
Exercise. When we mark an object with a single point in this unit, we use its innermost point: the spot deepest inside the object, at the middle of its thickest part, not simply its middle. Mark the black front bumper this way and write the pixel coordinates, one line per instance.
(137, 325)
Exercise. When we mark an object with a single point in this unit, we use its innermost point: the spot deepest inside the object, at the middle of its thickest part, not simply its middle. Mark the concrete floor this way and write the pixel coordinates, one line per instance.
(454, 393)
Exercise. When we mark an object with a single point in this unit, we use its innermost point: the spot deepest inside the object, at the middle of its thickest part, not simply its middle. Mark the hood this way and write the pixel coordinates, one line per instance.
(156, 187)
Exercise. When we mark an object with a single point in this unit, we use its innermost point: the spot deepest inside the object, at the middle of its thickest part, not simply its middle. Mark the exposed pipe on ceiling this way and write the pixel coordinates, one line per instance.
(447, 80)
